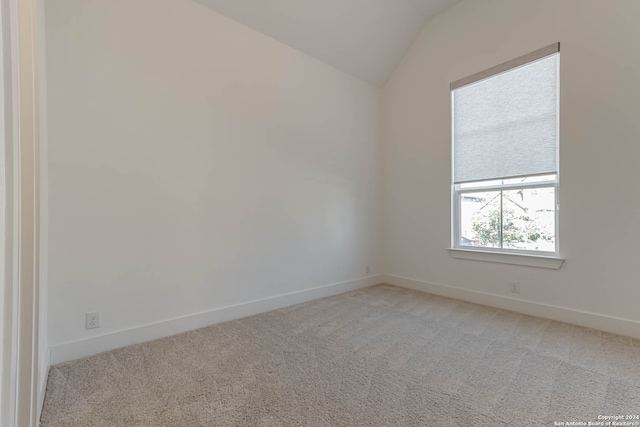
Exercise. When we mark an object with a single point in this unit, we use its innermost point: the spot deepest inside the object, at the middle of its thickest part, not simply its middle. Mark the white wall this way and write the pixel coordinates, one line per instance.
(195, 164)
(3, 206)
(599, 149)
(43, 300)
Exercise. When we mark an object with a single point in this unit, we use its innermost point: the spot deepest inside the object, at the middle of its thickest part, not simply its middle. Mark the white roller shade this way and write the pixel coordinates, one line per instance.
(505, 126)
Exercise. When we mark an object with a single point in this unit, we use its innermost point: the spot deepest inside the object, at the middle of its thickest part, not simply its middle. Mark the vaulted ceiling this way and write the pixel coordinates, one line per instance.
(365, 38)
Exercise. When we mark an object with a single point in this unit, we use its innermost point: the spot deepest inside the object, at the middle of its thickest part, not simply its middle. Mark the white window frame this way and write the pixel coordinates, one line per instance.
(546, 259)
(457, 216)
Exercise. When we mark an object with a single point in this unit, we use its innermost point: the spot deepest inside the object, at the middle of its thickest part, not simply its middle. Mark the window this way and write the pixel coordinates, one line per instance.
(505, 157)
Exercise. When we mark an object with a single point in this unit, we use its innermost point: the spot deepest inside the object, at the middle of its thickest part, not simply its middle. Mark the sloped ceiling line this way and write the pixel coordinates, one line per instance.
(364, 38)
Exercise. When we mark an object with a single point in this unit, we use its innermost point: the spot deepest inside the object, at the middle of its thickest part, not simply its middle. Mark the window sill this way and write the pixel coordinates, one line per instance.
(528, 260)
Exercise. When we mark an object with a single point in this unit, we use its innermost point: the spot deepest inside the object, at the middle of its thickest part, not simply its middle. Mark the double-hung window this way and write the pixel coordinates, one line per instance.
(505, 157)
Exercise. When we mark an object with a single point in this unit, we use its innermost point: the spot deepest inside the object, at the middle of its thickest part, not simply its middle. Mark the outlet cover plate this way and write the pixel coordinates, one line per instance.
(92, 320)
(515, 287)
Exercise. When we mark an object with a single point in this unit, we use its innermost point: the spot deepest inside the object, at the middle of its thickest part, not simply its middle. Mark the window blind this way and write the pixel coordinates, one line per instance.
(505, 125)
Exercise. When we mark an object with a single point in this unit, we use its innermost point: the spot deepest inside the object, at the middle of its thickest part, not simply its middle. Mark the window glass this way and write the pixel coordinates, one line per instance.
(505, 166)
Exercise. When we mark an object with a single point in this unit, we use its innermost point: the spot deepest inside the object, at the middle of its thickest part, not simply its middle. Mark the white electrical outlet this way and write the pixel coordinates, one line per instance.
(367, 269)
(92, 320)
(515, 287)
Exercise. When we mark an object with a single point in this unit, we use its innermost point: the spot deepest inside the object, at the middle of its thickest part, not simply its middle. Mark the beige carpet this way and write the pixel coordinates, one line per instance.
(382, 356)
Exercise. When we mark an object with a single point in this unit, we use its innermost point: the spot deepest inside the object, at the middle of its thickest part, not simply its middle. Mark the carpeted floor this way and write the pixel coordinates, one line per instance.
(382, 356)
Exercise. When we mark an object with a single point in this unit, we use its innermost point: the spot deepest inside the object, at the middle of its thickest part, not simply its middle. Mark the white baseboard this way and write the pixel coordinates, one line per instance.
(94, 345)
(615, 325)
(42, 387)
